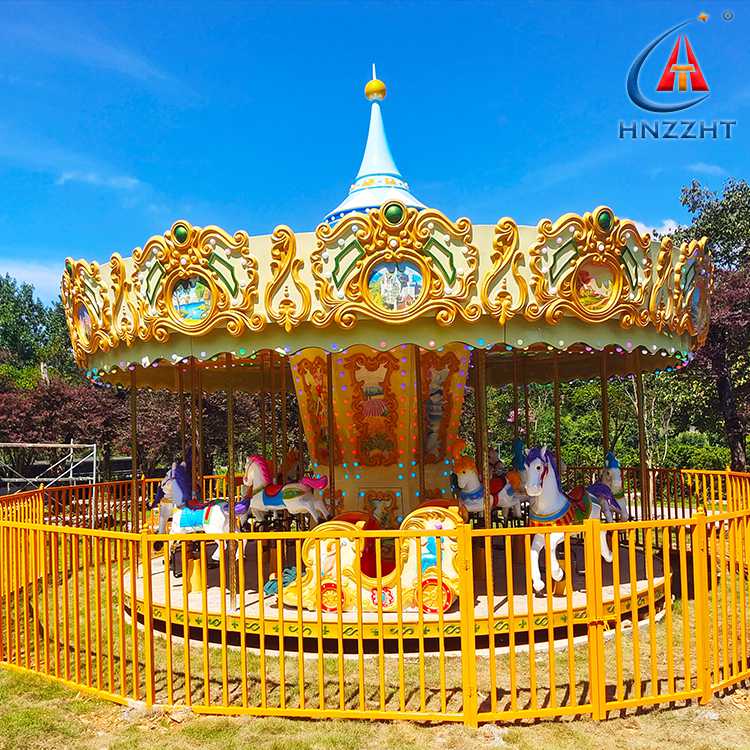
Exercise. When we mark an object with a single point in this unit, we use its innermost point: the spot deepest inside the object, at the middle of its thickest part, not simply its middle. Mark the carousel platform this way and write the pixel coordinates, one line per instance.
(526, 616)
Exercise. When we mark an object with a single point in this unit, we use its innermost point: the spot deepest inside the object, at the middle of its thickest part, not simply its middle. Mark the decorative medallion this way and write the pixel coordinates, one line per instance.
(595, 267)
(84, 325)
(395, 264)
(395, 287)
(387, 597)
(595, 286)
(191, 300)
(192, 280)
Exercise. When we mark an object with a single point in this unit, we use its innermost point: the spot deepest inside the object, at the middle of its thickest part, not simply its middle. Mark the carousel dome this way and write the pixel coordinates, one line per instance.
(378, 181)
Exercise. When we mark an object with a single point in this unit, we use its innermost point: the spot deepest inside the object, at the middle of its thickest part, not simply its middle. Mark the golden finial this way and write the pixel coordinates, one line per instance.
(375, 89)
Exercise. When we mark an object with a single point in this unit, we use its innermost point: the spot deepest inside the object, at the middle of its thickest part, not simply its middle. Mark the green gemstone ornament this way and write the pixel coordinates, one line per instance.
(605, 220)
(393, 213)
(180, 233)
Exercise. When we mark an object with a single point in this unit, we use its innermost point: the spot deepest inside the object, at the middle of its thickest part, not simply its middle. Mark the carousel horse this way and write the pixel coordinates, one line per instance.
(211, 519)
(506, 491)
(166, 492)
(607, 492)
(550, 506)
(263, 497)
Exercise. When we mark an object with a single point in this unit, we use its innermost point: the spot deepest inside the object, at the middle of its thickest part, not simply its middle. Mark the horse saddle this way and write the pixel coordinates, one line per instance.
(496, 486)
(192, 517)
(577, 497)
(272, 495)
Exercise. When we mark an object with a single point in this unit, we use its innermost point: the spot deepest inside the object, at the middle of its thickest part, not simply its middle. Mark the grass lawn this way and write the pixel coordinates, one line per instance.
(36, 713)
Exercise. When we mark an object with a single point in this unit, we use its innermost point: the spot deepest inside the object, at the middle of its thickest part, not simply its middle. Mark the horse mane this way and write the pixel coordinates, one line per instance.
(549, 457)
(464, 462)
(263, 465)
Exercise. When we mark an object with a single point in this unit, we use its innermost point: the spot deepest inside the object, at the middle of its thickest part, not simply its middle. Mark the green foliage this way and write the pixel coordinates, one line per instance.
(15, 376)
(31, 334)
(22, 322)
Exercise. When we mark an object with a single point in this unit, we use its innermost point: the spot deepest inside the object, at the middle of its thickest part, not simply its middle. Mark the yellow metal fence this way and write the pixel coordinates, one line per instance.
(98, 609)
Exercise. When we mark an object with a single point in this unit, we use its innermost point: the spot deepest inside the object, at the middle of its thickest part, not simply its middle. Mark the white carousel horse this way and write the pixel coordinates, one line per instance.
(550, 506)
(211, 519)
(295, 497)
(506, 491)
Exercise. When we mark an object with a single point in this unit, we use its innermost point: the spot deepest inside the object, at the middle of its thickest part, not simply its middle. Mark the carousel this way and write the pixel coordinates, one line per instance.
(374, 335)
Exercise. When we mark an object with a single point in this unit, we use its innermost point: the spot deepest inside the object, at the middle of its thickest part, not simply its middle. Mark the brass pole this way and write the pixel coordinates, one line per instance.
(480, 419)
(193, 431)
(134, 510)
(556, 399)
(300, 441)
(200, 435)
(331, 438)
(272, 365)
(262, 395)
(420, 420)
(605, 403)
(283, 365)
(181, 391)
(645, 508)
(231, 472)
(526, 407)
(515, 395)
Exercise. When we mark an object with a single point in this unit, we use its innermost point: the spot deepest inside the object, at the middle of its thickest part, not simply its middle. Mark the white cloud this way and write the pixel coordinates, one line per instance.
(34, 152)
(116, 182)
(556, 173)
(702, 167)
(61, 37)
(666, 227)
(44, 278)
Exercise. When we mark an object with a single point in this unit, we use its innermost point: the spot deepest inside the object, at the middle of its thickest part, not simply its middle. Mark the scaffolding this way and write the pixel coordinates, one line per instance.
(66, 468)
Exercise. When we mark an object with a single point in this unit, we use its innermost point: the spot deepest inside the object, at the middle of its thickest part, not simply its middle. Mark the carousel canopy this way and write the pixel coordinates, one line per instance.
(383, 270)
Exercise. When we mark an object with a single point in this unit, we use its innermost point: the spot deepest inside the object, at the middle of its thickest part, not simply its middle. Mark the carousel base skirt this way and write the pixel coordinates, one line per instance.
(526, 617)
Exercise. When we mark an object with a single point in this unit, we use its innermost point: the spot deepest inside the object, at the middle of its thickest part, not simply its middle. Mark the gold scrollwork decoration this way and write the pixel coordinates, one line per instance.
(285, 263)
(87, 309)
(692, 287)
(661, 297)
(496, 298)
(598, 268)
(395, 234)
(194, 288)
(124, 309)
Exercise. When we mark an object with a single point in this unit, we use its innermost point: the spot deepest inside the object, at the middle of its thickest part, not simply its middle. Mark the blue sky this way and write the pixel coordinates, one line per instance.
(117, 119)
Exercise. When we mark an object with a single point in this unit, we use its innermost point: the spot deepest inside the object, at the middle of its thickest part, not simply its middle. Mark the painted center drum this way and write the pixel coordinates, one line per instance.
(375, 432)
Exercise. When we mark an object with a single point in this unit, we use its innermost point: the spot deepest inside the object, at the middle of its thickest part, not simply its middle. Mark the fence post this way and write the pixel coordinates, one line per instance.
(595, 616)
(148, 643)
(702, 639)
(468, 644)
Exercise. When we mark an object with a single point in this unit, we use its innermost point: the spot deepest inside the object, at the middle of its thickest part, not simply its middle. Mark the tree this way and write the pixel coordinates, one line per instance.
(22, 322)
(725, 220)
(59, 412)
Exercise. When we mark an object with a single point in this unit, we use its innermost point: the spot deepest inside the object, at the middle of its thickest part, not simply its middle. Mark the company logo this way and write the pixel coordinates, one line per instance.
(681, 69)
(681, 85)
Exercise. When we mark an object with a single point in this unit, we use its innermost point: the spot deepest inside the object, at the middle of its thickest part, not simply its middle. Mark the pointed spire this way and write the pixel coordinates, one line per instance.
(378, 180)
